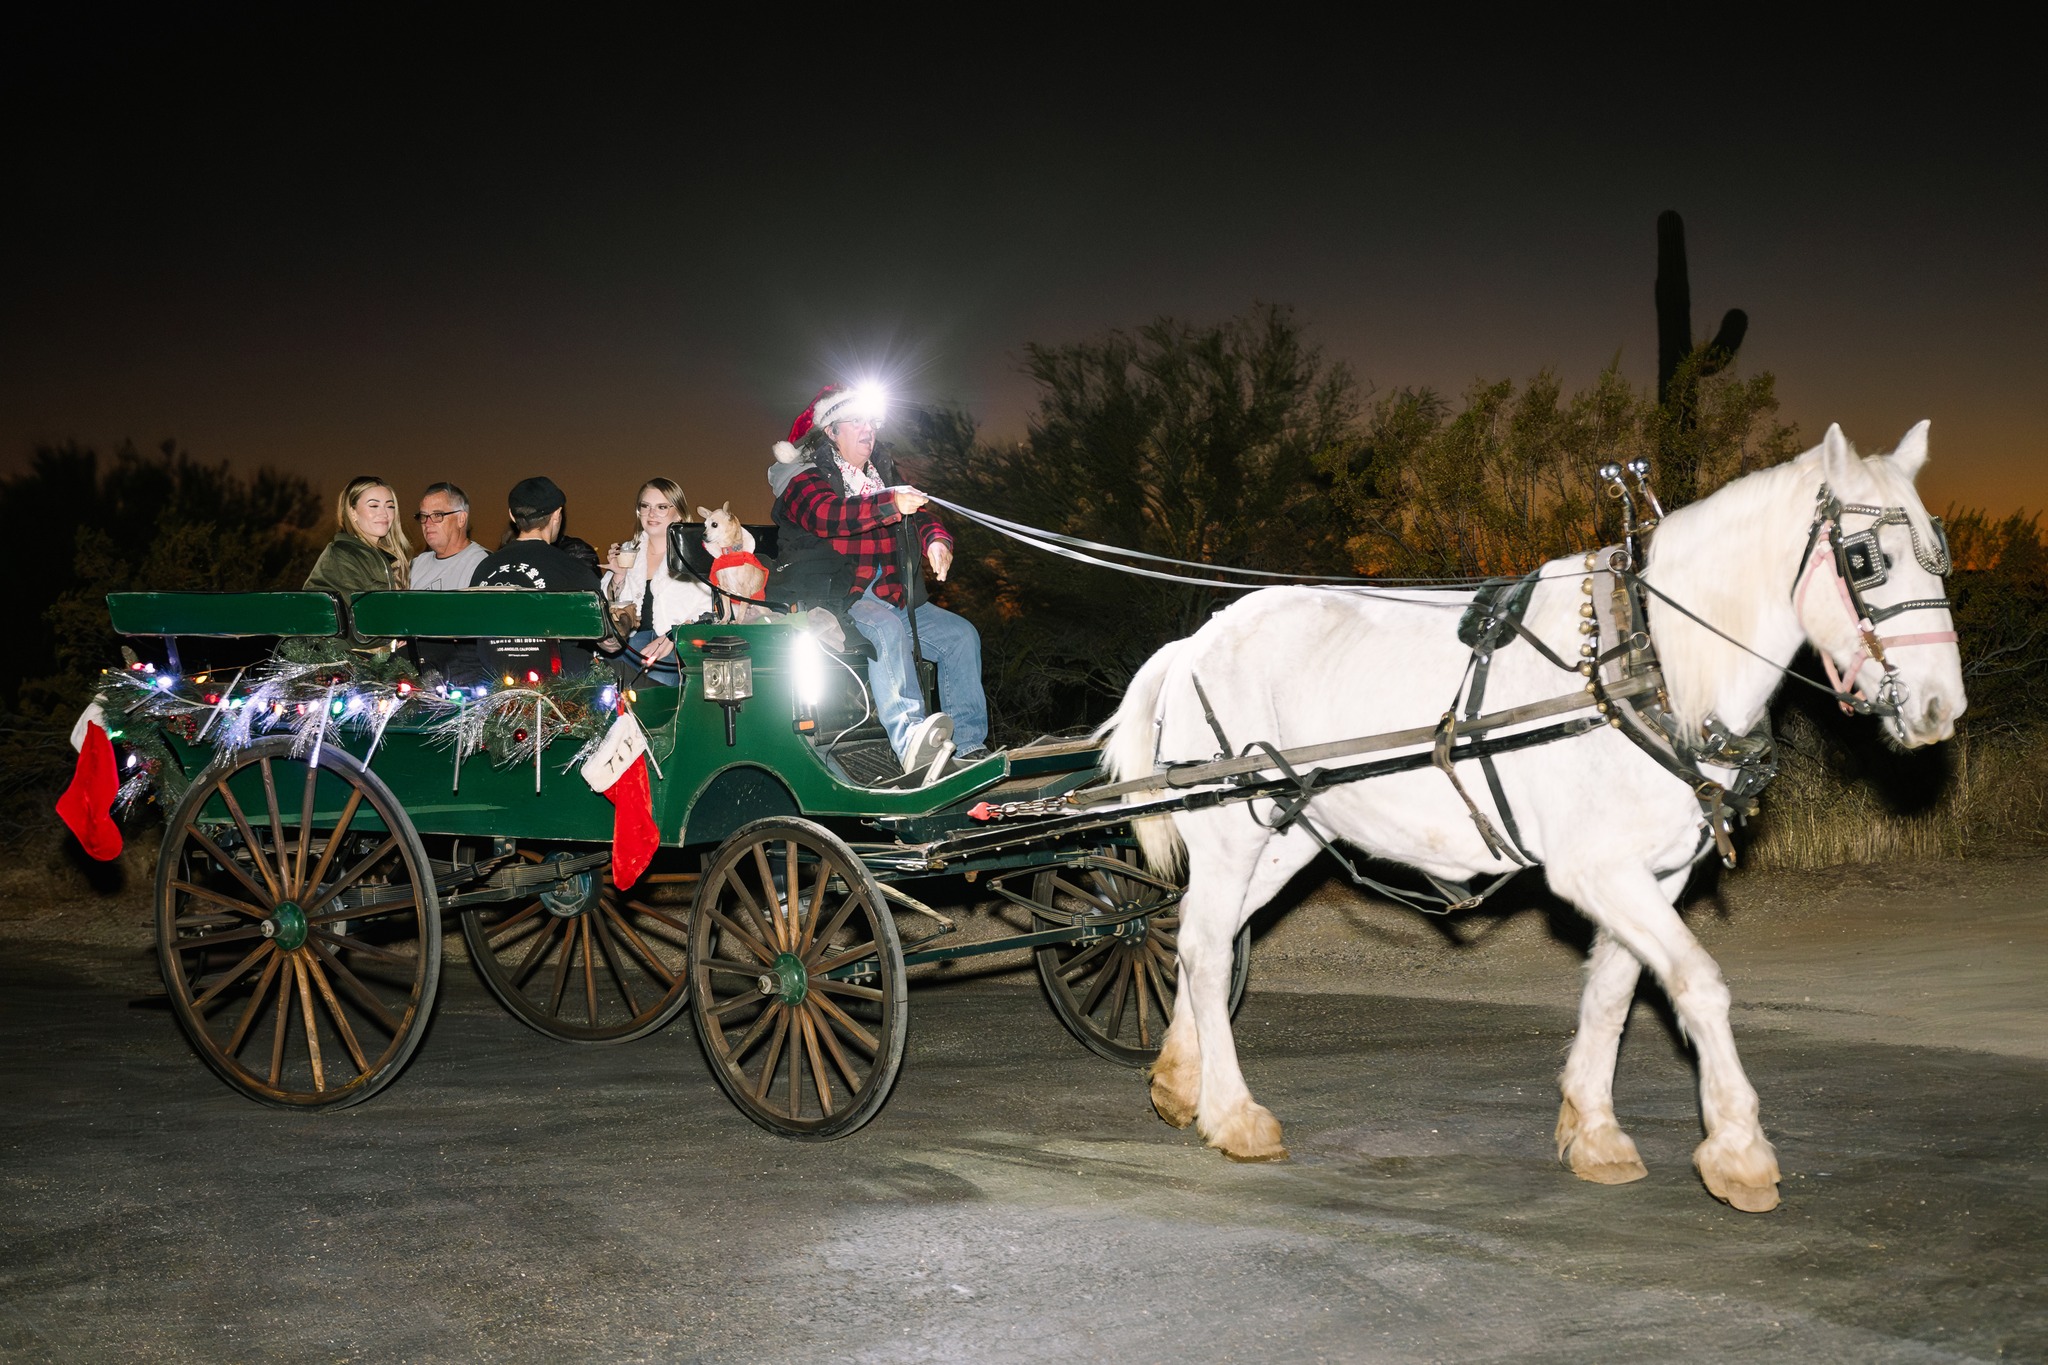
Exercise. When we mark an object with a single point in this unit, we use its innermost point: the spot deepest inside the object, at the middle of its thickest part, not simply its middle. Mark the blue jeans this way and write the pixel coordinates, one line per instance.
(663, 673)
(948, 640)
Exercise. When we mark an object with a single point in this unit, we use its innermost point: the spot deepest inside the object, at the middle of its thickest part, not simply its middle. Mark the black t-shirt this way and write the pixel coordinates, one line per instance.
(545, 568)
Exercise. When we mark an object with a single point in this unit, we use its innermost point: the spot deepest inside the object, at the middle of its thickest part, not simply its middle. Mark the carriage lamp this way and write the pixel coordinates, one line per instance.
(728, 676)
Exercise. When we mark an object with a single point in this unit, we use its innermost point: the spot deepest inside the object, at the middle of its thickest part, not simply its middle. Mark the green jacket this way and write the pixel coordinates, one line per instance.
(350, 565)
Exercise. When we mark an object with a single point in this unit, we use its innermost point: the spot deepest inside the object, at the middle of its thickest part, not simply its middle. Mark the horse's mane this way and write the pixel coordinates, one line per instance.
(1732, 557)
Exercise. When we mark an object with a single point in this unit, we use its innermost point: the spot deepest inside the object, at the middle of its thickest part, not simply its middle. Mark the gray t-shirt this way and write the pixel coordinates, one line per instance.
(429, 573)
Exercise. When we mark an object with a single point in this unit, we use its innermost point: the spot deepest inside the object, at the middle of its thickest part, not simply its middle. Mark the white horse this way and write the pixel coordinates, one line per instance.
(1616, 833)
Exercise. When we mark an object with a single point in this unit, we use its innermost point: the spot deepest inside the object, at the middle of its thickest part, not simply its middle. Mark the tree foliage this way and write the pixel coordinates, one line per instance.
(82, 526)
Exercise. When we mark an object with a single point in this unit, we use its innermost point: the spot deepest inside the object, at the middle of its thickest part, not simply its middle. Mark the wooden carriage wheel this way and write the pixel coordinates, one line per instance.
(297, 926)
(584, 962)
(797, 984)
(1115, 992)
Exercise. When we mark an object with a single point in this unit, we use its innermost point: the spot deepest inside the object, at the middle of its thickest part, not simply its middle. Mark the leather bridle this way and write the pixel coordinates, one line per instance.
(1857, 562)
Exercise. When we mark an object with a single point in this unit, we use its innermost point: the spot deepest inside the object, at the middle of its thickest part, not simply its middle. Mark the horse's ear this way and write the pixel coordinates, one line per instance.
(1838, 459)
(1912, 452)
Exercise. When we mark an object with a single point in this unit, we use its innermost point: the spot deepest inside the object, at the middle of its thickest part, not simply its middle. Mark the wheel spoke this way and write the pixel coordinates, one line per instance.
(1141, 981)
(823, 942)
(612, 956)
(846, 988)
(838, 960)
(743, 998)
(284, 1022)
(276, 820)
(350, 943)
(202, 942)
(562, 967)
(817, 907)
(774, 898)
(350, 877)
(753, 911)
(532, 909)
(773, 1054)
(360, 993)
(648, 957)
(1107, 975)
(312, 1027)
(746, 940)
(755, 1034)
(249, 840)
(1122, 971)
(535, 953)
(232, 975)
(305, 827)
(1071, 968)
(823, 1029)
(819, 1082)
(348, 813)
(230, 864)
(216, 898)
(589, 970)
(855, 1031)
(249, 1012)
(1060, 883)
(341, 1024)
(728, 967)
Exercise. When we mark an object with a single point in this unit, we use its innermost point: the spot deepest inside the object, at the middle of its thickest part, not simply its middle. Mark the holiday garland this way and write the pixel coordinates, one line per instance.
(320, 690)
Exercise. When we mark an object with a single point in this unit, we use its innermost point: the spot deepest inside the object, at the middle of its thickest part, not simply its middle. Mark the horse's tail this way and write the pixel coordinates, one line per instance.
(1132, 735)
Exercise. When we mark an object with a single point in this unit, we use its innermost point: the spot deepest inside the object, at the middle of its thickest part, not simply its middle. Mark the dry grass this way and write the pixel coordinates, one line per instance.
(1975, 795)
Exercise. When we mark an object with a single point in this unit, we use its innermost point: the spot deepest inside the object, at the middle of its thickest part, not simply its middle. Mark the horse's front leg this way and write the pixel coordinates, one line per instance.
(1588, 1137)
(1736, 1161)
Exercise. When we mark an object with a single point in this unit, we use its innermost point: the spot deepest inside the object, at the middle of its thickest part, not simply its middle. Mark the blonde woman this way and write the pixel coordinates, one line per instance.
(638, 575)
(369, 550)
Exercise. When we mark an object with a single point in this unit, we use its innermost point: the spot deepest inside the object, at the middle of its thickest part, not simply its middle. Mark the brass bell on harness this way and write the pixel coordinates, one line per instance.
(1586, 610)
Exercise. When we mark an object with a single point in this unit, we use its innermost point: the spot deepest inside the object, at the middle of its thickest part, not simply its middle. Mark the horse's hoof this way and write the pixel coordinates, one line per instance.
(1169, 1105)
(1604, 1155)
(1251, 1134)
(1745, 1180)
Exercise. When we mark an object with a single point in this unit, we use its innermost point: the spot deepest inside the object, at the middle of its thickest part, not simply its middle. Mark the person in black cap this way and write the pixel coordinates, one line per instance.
(534, 560)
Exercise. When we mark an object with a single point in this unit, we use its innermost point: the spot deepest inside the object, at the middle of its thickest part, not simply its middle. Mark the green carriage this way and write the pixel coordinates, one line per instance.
(330, 823)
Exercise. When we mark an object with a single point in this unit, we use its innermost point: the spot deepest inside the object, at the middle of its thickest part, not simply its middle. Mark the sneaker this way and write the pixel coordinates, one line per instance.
(927, 738)
(974, 755)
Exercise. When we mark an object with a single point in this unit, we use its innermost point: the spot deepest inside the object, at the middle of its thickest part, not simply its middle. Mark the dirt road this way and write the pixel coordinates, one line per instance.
(515, 1199)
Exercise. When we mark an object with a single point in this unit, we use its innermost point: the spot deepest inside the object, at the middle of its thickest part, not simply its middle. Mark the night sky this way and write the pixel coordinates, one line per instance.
(340, 241)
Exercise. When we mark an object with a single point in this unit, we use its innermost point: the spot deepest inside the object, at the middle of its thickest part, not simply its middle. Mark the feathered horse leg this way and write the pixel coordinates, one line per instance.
(1736, 1161)
(1588, 1137)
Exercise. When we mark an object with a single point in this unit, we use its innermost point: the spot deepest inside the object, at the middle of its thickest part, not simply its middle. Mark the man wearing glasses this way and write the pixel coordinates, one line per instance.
(451, 556)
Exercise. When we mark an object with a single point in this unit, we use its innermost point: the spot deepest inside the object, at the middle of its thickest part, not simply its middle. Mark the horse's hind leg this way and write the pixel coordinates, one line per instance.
(1232, 871)
(1736, 1161)
(1177, 1074)
(1588, 1137)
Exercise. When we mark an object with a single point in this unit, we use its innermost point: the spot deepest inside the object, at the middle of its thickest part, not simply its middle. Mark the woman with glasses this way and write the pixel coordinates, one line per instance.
(451, 557)
(648, 595)
(369, 550)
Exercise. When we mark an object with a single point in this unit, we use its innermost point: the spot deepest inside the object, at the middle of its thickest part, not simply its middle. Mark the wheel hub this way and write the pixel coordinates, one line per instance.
(788, 982)
(286, 926)
(571, 896)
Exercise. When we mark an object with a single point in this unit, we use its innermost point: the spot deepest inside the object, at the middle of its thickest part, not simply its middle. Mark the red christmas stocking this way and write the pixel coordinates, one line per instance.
(618, 768)
(87, 805)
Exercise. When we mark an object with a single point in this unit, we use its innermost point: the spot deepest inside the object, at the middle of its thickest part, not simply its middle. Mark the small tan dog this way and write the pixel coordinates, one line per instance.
(734, 568)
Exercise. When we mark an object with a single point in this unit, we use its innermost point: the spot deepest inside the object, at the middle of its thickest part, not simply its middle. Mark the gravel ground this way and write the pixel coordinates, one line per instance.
(516, 1199)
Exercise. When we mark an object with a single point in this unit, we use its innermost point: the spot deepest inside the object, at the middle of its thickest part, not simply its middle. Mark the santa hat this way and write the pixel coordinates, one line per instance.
(833, 403)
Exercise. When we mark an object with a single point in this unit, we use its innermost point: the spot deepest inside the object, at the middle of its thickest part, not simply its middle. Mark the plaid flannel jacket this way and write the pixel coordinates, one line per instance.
(861, 528)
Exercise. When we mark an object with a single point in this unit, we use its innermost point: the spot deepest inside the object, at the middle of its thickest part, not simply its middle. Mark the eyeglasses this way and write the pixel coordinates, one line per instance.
(657, 507)
(435, 517)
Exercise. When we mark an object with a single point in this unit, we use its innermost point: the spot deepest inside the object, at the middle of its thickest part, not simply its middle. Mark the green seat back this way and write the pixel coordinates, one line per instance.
(473, 612)
(226, 614)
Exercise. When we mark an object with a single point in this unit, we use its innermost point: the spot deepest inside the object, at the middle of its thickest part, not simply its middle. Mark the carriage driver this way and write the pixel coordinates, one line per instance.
(847, 528)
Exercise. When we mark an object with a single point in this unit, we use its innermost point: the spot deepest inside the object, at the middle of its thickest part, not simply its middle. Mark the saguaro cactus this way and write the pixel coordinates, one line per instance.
(1678, 380)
